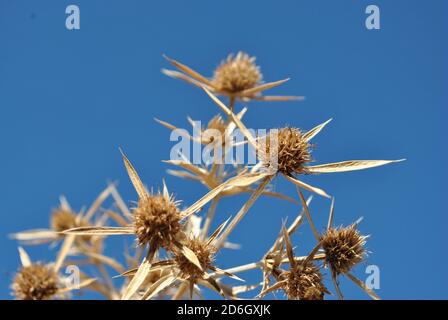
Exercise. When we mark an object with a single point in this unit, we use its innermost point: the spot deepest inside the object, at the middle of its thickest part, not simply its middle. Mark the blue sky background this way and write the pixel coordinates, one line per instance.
(69, 99)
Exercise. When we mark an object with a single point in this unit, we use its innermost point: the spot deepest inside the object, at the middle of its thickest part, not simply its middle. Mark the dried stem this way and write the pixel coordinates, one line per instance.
(240, 215)
(210, 215)
(160, 274)
(180, 291)
(308, 215)
(261, 263)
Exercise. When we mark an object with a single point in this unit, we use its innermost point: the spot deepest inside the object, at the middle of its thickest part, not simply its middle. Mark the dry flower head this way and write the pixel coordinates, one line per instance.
(236, 74)
(35, 282)
(304, 282)
(205, 256)
(156, 221)
(293, 151)
(344, 248)
(216, 123)
(237, 77)
(63, 219)
(343, 166)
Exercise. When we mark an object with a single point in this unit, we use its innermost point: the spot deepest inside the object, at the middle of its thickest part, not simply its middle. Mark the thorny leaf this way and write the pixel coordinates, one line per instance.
(350, 165)
(135, 179)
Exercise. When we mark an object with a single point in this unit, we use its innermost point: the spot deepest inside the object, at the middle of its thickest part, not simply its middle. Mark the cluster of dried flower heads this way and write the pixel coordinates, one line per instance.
(173, 255)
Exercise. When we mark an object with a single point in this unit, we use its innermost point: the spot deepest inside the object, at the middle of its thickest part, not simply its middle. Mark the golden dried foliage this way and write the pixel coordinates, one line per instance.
(175, 252)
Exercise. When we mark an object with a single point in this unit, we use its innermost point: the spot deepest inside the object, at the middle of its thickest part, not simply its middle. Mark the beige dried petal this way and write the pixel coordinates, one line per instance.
(313, 132)
(272, 288)
(331, 215)
(307, 186)
(165, 192)
(312, 254)
(308, 214)
(158, 286)
(247, 179)
(120, 202)
(242, 289)
(167, 125)
(82, 284)
(350, 165)
(139, 277)
(135, 179)
(225, 273)
(180, 131)
(212, 284)
(183, 174)
(64, 203)
(260, 88)
(155, 267)
(289, 251)
(279, 196)
(36, 234)
(336, 284)
(24, 257)
(189, 166)
(217, 232)
(195, 75)
(279, 98)
(191, 256)
(298, 220)
(100, 231)
(63, 252)
(179, 75)
(363, 286)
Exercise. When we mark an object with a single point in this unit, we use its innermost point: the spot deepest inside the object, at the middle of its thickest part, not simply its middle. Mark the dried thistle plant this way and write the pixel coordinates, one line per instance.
(237, 77)
(37, 281)
(344, 248)
(303, 280)
(173, 255)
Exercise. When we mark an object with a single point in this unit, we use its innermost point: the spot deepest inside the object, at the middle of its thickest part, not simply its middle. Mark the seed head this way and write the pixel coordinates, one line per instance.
(35, 282)
(305, 283)
(156, 221)
(216, 123)
(62, 220)
(236, 74)
(344, 248)
(205, 254)
(293, 151)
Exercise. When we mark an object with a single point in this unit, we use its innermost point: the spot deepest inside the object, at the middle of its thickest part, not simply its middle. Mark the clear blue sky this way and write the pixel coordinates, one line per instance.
(69, 99)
